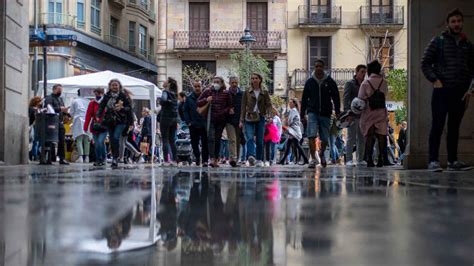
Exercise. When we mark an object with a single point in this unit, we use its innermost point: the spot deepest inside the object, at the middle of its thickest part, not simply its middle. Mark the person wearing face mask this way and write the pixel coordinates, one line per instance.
(57, 103)
(116, 111)
(82, 139)
(94, 126)
(448, 63)
(255, 110)
(169, 120)
(220, 106)
(232, 127)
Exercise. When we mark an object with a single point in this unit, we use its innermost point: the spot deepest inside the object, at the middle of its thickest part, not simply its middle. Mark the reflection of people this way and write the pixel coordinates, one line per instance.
(119, 231)
(168, 215)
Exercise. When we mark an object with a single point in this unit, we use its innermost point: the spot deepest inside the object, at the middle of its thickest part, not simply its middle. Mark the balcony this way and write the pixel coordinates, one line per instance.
(143, 6)
(95, 29)
(57, 19)
(317, 16)
(225, 40)
(115, 41)
(340, 75)
(119, 3)
(383, 17)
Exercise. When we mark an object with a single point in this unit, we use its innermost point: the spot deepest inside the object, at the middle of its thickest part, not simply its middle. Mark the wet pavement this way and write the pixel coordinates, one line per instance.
(79, 215)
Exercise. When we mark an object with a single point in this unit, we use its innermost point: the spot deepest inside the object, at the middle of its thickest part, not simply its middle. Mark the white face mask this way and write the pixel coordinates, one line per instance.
(216, 86)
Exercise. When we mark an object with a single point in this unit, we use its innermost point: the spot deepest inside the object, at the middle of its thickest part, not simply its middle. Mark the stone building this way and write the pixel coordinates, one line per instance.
(117, 35)
(344, 33)
(205, 33)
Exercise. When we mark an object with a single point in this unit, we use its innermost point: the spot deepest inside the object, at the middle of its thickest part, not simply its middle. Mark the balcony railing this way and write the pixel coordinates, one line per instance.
(145, 7)
(382, 15)
(225, 40)
(81, 24)
(115, 41)
(96, 30)
(340, 75)
(58, 19)
(318, 14)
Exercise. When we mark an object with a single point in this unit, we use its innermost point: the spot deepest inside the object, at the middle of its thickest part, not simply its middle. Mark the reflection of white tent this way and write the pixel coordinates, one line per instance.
(141, 89)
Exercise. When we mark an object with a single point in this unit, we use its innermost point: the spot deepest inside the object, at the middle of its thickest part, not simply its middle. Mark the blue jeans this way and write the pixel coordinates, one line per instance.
(115, 133)
(243, 152)
(334, 152)
(99, 145)
(318, 125)
(255, 130)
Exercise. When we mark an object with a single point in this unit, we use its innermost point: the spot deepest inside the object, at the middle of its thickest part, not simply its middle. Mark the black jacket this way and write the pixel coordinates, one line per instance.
(112, 117)
(191, 116)
(56, 102)
(351, 90)
(237, 101)
(320, 100)
(451, 63)
(169, 106)
(146, 127)
(402, 139)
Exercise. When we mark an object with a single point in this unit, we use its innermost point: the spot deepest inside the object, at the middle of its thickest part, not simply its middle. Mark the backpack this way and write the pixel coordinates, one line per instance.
(377, 99)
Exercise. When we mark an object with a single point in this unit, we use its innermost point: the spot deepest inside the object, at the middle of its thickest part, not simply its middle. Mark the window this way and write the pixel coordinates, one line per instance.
(131, 36)
(144, 4)
(113, 26)
(142, 40)
(151, 47)
(318, 49)
(257, 21)
(381, 10)
(95, 16)
(80, 14)
(55, 12)
(381, 48)
(199, 25)
(320, 9)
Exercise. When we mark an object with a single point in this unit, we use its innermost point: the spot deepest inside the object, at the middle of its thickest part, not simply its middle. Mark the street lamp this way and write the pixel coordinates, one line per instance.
(247, 40)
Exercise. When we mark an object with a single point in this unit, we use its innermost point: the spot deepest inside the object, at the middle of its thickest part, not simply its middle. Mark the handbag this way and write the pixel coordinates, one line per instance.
(144, 147)
(203, 109)
(98, 127)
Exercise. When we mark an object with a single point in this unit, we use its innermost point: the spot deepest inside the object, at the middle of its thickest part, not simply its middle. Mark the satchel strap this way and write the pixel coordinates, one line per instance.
(380, 85)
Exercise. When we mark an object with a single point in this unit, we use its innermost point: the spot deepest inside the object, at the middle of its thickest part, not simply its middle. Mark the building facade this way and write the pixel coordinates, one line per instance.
(344, 33)
(117, 35)
(205, 33)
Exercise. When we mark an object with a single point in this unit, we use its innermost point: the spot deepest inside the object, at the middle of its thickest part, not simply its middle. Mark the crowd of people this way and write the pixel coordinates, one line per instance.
(227, 124)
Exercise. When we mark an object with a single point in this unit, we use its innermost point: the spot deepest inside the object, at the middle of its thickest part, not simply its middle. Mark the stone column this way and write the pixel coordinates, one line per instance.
(14, 38)
(425, 22)
(162, 41)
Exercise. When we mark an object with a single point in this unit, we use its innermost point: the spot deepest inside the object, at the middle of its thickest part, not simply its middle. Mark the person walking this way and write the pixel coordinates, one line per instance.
(116, 111)
(295, 134)
(169, 121)
(197, 126)
(354, 133)
(219, 102)
(81, 137)
(57, 104)
(146, 133)
(232, 126)
(448, 63)
(320, 94)
(402, 140)
(271, 138)
(255, 111)
(279, 126)
(94, 126)
(334, 134)
(373, 120)
(34, 108)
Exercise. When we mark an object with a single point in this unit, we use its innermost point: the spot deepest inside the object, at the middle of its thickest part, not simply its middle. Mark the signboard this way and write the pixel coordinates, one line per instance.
(37, 39)
(393, 106)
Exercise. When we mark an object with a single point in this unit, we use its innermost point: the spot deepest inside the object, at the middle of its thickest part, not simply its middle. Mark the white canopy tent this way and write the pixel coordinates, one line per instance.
(141, 89)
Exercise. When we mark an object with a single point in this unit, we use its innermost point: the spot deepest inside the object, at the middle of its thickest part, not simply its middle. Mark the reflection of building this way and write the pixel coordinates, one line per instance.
(344, 33)
(117, 35)
(205, 33)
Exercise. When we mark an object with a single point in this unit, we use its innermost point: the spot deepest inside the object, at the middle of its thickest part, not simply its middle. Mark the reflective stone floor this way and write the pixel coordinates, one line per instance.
(78, 215)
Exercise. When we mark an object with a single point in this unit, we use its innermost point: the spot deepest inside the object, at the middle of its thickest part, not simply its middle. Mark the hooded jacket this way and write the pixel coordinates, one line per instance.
(320, 96)
(191, 115)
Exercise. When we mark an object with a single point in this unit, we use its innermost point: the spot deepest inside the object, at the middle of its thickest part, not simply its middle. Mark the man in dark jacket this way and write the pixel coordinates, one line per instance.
(448, 63)
(402, 139)
(320, 94)
(354, 133)
(57, 103)
(232, 127)
(197, 125)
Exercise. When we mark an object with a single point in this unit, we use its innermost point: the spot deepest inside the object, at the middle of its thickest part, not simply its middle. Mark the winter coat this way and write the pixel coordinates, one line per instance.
(249, 101)
(191, 116)
(451, 63)
(109, 115)
(169, 106)
(271, 133)
(320, 98)
(146, 127)
(91, 114)
(351, 90)
(78, 112)
(237, 101)
(294, 124)
(220, 105)
(373, 118)
(55, 102)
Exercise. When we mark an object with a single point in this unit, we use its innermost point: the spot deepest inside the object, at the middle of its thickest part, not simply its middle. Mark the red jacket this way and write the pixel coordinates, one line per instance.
(91, 114)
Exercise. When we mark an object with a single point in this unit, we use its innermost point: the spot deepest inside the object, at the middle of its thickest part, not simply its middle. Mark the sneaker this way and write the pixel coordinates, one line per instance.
(260, 164)
(350, 164)
(86, 160)
(205, 165)
(114, 163)
(63, 162)
(362, 163)
(233, 163)
(79, 160)
(267, 164)
(324, 164)
(252, 161)
(435, 167)
(458, 166)
(312, 164)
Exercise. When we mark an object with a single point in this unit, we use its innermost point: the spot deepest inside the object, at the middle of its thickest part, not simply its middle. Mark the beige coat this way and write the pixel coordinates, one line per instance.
(373, 118)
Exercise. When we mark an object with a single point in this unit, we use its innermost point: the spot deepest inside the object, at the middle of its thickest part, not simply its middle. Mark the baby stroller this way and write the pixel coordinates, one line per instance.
(184, 150)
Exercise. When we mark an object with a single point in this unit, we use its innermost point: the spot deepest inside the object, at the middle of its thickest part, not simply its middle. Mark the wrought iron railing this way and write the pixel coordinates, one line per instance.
(225, 40)
(318, 14)
(96, 30)
(115, 41)
(340, 75)
(382, 15)
(81, 24)
(60, 19)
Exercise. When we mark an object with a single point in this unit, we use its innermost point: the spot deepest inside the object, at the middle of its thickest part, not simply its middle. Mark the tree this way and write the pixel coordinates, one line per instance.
(244, 63)
(398, 83)
(193, 73)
